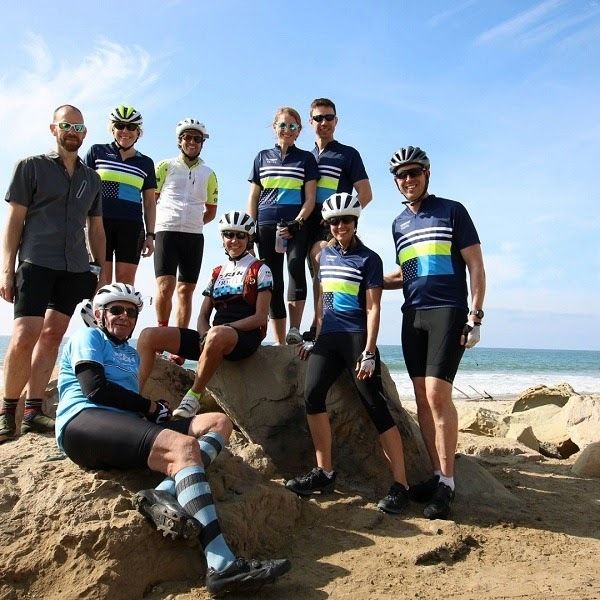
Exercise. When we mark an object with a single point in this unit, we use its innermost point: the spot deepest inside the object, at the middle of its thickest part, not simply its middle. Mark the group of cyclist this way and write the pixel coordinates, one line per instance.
(304, 198)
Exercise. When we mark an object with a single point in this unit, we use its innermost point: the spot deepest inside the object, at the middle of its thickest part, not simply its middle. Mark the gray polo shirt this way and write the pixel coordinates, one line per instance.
(57, 210)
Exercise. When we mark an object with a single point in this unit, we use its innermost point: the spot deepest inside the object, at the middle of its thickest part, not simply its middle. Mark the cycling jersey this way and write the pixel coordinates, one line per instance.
(184, 193)
(122, 180)
(428, 246)
(121, 365)
(340, 167)
(282, 182)
(227, 289)
(345, 277)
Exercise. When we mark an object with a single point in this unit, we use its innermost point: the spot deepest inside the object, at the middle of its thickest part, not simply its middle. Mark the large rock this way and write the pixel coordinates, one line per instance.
(541, 395)
(482, 421)
(588, 462)
(523, 434)
(582, 419)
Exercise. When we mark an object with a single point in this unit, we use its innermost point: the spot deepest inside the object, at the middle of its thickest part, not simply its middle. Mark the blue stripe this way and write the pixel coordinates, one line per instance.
(437, 264)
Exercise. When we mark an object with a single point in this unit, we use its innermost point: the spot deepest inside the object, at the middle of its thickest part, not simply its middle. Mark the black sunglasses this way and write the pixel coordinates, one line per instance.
(321, 118)
(128, 126)
(240, 235)
(415, 172)
(346, 220)
(117, 309)
(188, 137)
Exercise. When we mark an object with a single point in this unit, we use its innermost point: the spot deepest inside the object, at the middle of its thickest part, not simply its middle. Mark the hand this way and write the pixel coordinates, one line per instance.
(294, 226)
(161, 414)
(304, 349)
(365, 367)
(470, 334)
(148, 247)
(7, 287)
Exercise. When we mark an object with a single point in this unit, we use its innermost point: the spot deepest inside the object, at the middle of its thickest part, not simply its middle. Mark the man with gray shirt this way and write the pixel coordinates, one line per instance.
(50, 199)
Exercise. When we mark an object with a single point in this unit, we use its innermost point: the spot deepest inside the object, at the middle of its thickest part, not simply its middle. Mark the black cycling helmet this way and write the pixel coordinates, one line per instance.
(409, 155)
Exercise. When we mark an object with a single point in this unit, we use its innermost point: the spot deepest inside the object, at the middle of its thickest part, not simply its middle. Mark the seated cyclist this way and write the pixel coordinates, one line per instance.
(103, 422)
(239, 292)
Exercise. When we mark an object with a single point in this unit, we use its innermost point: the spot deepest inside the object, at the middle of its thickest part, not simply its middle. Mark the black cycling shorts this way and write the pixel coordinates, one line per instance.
(103, 439)
(175, 250)
(39, 288)
(431, 342)
(248, 342)
(124, 240)
(318, 230)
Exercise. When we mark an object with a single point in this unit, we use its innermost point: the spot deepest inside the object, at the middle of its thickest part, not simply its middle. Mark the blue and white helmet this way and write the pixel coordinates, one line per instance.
(237, 221)
(341, 205)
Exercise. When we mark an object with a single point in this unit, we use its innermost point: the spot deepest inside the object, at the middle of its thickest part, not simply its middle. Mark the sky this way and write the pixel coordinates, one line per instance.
(503, 95)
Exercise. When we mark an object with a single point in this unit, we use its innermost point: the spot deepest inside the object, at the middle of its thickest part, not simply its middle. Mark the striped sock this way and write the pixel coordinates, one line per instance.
(33, 406)
(9, 406)
(210, 444)
(193, 493)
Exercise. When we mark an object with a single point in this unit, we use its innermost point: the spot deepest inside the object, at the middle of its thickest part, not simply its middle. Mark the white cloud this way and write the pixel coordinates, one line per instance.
(440, 17)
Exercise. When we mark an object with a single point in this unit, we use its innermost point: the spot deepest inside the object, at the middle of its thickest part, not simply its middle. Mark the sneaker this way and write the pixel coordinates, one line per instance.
(166, 514)
(188, 407)
(8, 427)
(424, 490)
(293, 337)
(310, 335)
(245, 575)
(315, 481)
(439, 506)
(396, 500)
(38, 423)
(174, 358)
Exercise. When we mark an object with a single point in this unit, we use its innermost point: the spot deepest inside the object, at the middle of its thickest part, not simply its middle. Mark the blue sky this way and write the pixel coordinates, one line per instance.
(503, 95)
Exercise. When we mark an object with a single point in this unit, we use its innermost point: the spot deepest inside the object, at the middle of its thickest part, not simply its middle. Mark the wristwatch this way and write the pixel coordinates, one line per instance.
(477, 313)
(151, 234)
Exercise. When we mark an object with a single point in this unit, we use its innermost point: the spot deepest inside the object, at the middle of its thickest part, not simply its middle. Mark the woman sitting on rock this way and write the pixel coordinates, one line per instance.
(239, 291)
(351, 278)
(103, 422)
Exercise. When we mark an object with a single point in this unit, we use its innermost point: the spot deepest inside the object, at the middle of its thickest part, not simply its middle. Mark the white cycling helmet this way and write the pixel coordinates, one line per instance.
(114, 292)
(87, 314)
(237, 221)
(408, 156)
(190, 124)
(340, 205)
(126, 114)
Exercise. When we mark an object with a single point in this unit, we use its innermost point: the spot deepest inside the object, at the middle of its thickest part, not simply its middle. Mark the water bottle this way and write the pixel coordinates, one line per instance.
(280, 243)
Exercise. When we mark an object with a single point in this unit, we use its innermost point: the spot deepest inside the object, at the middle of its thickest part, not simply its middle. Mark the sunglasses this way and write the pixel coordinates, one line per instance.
(64, 126)
(240, 235)
(410, 173)
(117, 309)
(188, 137)
(346, 220)
(321, 118)
(290, 126)
(128, 126)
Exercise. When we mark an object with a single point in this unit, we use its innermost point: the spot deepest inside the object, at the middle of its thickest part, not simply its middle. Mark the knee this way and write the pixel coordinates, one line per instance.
(147, 339)
(52, 337)
(222, 425)
(166, 286)
(216, 338)
(185, 290)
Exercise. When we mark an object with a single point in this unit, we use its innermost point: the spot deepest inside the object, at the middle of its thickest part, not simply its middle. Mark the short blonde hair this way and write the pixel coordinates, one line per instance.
(288, 110)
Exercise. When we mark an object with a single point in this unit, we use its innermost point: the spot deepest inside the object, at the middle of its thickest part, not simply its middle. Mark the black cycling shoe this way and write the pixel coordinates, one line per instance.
(439, 505)
(424, 490)
(310, 335)
(244, 575)
(166, 514)
(396, 500)
(315, 481)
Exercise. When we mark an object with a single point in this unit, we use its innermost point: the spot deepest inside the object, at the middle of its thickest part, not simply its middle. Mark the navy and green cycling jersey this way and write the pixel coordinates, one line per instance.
(122, 180)
(428, 246)
(340, 167)
(121, 365)
(282, 182)
(345, 279)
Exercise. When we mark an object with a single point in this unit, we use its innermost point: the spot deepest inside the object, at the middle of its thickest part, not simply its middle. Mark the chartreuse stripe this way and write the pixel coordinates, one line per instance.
(429, 248)
(284, 183)
(120, 177)
(328, 182)
(340, 285)
(161, 174)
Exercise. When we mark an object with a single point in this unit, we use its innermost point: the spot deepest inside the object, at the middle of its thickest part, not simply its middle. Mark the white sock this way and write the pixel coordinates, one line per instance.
(437, 473)
(449, 481)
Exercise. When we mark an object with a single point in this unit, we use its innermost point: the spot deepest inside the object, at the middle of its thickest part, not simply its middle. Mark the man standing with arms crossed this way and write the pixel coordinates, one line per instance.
(436, 243)
(187, 195)
(51, 198)
(341, 169)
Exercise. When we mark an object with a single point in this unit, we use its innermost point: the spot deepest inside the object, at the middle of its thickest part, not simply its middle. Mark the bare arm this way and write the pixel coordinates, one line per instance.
(210, 213)
(364, 192)
(393, 281)
(97, 243)
(252, 203)
(149, 199)
(13, 232)
(310, 196)
(474, 260)
(373, 298)
(206, 309)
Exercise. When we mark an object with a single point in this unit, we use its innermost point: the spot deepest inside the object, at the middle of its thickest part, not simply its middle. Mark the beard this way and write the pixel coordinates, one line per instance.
(70, 143)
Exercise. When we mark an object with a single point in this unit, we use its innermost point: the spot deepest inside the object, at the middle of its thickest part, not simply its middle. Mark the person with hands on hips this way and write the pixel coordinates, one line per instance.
(103, 422)
(348, 312)
(436, 244)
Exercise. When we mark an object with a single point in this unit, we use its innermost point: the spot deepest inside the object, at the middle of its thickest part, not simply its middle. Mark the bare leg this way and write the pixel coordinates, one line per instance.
(217, 422)
(163, 304)
(107, 274)
(125, 272)
(185, 292)
(392, 447)
(17, 362)
(151, 341)
(220, 341)
(46, 351)
(426, 424)
(279, 330)
(320, 431)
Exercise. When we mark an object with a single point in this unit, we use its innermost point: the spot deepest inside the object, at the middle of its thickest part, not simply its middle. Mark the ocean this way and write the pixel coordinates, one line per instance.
(495, 372)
